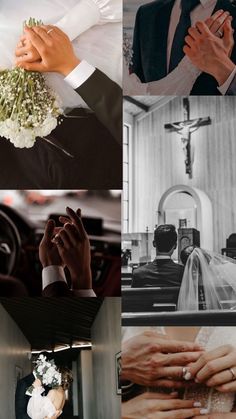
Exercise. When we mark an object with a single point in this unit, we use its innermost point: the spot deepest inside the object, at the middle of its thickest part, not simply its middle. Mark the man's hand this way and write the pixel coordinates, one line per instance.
(160, 406)
(151, 359)
(210, 53)
(54, 48)
(74, 248)
(48, 252)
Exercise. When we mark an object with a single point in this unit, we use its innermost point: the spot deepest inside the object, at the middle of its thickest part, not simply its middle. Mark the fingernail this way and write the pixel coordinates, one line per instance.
(197, 404)
(204, 411)
(196, 380)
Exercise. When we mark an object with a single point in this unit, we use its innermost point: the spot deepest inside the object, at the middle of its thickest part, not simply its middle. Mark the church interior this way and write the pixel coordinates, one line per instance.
(179, 168)
(81, 334)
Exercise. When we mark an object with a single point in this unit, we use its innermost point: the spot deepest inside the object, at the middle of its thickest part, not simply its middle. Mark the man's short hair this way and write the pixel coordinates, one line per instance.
(165, 237)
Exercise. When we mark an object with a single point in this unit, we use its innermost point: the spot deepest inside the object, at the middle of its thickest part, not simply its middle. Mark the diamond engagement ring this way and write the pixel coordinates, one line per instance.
(186, 374)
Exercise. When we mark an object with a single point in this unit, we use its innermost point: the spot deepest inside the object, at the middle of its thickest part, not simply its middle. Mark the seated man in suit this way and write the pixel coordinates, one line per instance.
(158, 51)
(162, 272)
(213, 54)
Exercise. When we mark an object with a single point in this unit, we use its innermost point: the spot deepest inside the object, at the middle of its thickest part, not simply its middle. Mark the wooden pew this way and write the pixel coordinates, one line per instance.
(149, 299)
(181, 318)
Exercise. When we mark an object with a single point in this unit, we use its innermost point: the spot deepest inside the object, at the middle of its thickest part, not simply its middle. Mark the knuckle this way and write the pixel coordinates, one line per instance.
(211, 366)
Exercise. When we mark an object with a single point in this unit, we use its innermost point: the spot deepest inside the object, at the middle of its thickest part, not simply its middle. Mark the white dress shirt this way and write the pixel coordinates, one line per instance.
(201, 12)
(55, 273)
(80, 74)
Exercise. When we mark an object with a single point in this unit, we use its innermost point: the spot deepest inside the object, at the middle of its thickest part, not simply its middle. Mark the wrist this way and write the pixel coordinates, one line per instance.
(69, 67)
(222, 71)
(81, 279)
(50, 262)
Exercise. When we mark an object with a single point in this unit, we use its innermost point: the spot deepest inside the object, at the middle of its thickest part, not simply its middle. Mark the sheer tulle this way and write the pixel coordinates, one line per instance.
(40, 407)
(93, 25)
(209, 282)
(179, 82)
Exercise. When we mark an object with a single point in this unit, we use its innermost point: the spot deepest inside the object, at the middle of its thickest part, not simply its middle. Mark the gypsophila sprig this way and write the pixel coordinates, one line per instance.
(47, 372)
(28, 107)
(127, 49)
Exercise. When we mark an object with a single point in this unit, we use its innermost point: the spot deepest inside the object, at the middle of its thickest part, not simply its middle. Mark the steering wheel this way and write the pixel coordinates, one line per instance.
(10, 245)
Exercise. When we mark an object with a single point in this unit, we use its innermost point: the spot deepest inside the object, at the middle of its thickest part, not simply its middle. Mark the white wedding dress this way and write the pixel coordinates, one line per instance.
(179, 82)
(94, 26)
(40, 407)
(209, 338)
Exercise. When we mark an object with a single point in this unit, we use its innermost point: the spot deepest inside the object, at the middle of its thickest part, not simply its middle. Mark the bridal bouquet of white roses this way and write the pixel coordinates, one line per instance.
(47, 372)
(28, 107)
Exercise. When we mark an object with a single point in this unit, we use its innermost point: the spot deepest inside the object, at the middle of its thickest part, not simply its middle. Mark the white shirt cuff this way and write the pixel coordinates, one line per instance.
(224, 87)
(80, 74)
(51, 274)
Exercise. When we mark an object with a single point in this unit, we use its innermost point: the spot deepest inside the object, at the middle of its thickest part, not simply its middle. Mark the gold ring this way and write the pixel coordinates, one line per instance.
(233, 373)
(219, 34)
(50, 30)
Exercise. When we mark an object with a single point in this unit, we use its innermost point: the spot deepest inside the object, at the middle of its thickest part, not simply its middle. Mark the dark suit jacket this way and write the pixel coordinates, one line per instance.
(150, 44)
(21, 399)
(232, 88)
(94, 141)
(159, 273)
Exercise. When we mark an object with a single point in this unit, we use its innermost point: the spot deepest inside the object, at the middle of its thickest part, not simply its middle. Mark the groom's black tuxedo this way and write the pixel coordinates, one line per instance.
(150, 44)
(21, 399)
(159, 273)
(94, 141)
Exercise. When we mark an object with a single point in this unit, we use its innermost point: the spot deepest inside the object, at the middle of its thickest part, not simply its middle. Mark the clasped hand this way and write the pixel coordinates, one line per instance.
(68, 246)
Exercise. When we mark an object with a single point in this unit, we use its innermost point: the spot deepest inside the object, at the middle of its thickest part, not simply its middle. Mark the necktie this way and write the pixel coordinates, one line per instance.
(181, 31)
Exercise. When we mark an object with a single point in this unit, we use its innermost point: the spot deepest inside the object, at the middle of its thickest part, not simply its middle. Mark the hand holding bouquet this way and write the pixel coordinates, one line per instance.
(28, 107)
(47, 372)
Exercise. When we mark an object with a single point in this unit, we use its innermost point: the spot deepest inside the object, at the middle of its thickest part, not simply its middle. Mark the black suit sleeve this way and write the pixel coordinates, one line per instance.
(136, 66)
(57, 289)
(136, 283)
(21, 401)
(104, 97)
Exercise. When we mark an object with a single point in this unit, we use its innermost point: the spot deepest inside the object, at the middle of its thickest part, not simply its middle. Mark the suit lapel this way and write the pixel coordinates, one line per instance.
(162, 30)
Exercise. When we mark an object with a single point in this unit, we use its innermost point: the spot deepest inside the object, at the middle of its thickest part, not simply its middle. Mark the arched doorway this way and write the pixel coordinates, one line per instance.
(191, 205)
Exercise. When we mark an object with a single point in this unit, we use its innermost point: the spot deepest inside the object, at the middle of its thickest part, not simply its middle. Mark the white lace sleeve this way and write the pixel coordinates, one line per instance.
(39, 406)
(179, 82)
(88, 13)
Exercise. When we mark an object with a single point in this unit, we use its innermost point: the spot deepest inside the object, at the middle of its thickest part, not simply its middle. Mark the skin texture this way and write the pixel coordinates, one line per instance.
(145, 360)
(158, 406)
(48, 252)
(74, 249)
(54, 48)
(213, 369)
(207, 51)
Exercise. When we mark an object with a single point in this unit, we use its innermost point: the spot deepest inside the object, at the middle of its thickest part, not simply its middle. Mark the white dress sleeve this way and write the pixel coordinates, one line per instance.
(40, 406)
(88, 13)
(179, 82)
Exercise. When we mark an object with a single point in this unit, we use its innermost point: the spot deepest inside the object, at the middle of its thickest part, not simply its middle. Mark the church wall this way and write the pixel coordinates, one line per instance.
(159, 162)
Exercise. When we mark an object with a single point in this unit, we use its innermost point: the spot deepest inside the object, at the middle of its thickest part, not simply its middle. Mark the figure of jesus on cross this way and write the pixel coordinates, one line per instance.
(185, 129)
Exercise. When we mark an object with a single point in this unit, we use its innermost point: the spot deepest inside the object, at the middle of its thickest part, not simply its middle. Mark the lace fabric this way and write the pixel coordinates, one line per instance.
(179, 82)
(40, 406)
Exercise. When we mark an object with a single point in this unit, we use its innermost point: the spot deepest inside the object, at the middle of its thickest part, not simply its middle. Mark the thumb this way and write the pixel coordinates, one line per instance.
(36, 66)
(49, 230)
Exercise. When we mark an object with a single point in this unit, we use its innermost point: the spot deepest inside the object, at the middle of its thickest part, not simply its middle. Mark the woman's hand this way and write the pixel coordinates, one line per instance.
(37, 383)
(26, 52)
(160, 406)
(54, 48)
(216, 368)
(150, 359)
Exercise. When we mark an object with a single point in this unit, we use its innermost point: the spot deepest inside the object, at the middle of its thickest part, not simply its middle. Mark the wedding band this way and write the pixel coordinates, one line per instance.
(219, 34)
(50, 30)
(186, 374)
(233, 373)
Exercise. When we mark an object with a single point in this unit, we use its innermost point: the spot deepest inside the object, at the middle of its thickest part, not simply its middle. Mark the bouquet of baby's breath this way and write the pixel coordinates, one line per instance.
(127, 49)
(47, 372)
(28, 107)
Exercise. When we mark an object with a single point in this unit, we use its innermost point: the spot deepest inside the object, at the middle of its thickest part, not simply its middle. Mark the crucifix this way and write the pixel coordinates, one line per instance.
(185, 129)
